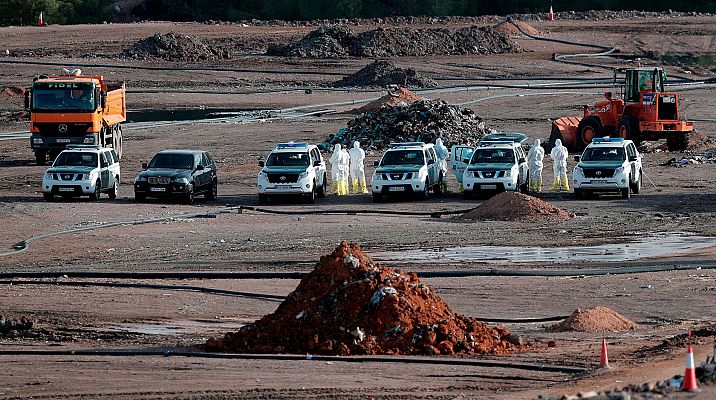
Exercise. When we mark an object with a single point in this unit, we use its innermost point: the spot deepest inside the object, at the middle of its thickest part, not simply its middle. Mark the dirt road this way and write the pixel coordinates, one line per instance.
(682, 201)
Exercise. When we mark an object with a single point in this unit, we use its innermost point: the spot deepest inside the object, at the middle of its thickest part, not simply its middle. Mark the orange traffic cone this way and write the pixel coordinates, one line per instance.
(550, 16)
(690, 384)
(604, 359)
(40, 22)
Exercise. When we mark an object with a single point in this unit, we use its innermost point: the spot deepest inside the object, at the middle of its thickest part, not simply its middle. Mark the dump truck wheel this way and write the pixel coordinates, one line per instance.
(588, 128)
(40, 157)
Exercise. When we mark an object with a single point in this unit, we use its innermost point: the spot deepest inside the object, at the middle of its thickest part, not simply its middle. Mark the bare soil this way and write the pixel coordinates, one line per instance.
(663, 304)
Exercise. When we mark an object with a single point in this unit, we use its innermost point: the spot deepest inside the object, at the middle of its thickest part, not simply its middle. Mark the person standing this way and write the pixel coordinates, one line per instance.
(337, 170)
(559, 156)
(535, 157)
(357, 169)
(443, 154)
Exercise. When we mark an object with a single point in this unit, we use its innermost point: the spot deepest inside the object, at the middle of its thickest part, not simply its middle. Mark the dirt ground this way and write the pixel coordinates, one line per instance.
(680, 201)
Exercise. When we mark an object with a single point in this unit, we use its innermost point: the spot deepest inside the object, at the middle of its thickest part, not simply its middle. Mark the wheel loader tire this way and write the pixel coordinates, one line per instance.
(588, 128)
(680, 143)
(628, 128)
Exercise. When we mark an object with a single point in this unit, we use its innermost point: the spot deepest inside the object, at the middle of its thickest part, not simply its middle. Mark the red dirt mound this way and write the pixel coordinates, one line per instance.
(513, 206)
(12, 91)
(511, 30)
(401, 95)
(597, 319)
(347, 305)
(699, 142)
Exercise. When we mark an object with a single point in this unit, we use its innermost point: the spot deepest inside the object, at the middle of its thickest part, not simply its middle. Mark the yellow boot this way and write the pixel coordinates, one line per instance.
(363, 187)
(538, 185)
(336, 188)
(345, 187)
(444, 186)
(565, 183)
(555, 186)
(355, 187)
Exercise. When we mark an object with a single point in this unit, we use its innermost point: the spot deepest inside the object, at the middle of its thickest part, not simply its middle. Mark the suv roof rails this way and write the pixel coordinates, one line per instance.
(491, 142)
(607, 140)
(82, 146)
(407, 144)
(291, 145)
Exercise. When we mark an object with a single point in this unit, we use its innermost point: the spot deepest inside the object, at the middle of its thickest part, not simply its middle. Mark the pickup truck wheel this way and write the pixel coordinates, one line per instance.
(377, 197)
(140, 197)
(626, 193)
(97, 190)
(48, 196)
(525, 187)
(213, 192)
(189, 196)
(263, 199)
(40, 157)
(636, 186)
(311, 197)
(425, 194)
(113, 192)
(322, 189)
(438, 188)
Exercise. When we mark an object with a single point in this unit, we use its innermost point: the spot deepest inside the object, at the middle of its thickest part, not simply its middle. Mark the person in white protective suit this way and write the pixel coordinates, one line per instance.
(559, 156)
(535, 157)
(443, 154)
(357, 169)
(345, 170)
(336, 161)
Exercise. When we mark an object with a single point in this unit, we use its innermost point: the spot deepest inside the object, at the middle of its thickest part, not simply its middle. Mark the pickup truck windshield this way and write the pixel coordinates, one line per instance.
(493, 156)
(75, 159)
(288, 160)
(403, 157)
(172, 161)
(56, 97)
(604, 154)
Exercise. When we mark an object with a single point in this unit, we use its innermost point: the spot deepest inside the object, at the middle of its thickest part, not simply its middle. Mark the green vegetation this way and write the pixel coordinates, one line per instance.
(25, 12)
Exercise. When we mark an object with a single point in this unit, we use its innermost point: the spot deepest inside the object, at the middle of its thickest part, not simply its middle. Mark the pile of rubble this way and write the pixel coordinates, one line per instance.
(339, 41)
(11, 328)
(422, 121)
(597, 319)
(604, 15)
(400, 96)
(382, 73)
(350, 306)
(174, 47)
(514, 206)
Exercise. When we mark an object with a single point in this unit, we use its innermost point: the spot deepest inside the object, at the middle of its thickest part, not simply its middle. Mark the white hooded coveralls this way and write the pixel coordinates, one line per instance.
(559, 156)
(535, 158)
(357, 169)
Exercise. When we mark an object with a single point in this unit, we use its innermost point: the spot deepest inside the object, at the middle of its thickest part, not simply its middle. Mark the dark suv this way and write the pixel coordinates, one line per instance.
(177, 173)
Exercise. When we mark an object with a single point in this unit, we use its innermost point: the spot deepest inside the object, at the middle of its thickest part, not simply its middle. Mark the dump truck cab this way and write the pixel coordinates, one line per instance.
(74, 109)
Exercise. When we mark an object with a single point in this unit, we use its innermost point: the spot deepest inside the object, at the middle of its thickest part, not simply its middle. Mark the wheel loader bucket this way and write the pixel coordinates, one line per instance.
(565, 128)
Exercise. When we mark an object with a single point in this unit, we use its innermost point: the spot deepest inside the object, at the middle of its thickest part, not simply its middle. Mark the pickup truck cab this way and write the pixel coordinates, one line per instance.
(82, 170)
(496, 166)
(292, 169)
(407, 168)
(608, 165)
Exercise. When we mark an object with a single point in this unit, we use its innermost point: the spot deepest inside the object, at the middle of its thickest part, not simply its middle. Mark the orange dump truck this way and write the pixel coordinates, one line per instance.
(74, 109)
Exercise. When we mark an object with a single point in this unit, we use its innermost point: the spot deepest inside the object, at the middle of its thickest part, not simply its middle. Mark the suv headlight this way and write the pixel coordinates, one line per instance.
(302, 175)
(180, 180)
(619, 170)
(84, 177)
(578, 170)
(508, 173)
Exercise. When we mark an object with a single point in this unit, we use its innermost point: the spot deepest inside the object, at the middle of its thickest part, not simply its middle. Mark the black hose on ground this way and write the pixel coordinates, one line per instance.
(290, 357)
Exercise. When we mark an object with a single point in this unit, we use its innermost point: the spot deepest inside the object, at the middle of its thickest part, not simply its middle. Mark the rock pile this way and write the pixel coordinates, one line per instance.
(173, 47)
(350, 306)
(514, 206)
(401, 96)
(422, 121)
(12, 327)
(597, 319)
(339, 41)
(381, 73)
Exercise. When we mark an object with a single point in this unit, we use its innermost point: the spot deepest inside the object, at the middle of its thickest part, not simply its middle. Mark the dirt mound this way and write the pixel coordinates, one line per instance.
(348, 306)
(597, 319)
(401, 96)
(510, 29)
(422, 121)
(698, 142)
(12, 327)
(13, 91)
(173, 47)
(382, 73)
(337, 41)
(514, 206)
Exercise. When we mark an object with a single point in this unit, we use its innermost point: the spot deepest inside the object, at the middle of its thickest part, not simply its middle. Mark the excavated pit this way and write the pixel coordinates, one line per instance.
(350, 306)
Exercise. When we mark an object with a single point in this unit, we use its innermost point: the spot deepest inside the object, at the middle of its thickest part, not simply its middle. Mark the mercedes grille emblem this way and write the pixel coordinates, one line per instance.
(62, 128)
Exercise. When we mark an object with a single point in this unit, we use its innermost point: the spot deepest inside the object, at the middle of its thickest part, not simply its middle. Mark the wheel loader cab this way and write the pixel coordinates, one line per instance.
(642, 80)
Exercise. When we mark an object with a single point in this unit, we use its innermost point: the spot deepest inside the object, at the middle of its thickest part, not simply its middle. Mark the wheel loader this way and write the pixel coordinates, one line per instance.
(644, 112)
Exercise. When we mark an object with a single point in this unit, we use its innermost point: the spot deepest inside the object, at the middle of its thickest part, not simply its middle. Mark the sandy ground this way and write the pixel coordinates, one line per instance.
(681, 201)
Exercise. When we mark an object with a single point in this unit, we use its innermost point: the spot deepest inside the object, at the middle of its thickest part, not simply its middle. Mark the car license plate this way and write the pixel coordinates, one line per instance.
(283, 186)
(396, 189)
(157, 189)
(63, 140)
(64, 189)
(488, 187)
(600, 181)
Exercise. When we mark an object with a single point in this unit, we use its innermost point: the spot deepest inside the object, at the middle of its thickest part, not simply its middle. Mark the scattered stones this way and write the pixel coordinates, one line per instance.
(514, 206)
(382, 73)
(597, 319)
(369, 309)
(422, 121)
(173, 47)
(13, 91)
(340, 41)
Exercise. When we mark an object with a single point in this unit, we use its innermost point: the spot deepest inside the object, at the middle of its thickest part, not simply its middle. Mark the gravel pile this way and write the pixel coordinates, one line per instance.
(173, 47)
(12, 327)
(514, 206)
(381, 73)
(597, 319)
(340, 41)
(350, 306)
(401, 96)
(422, 121)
